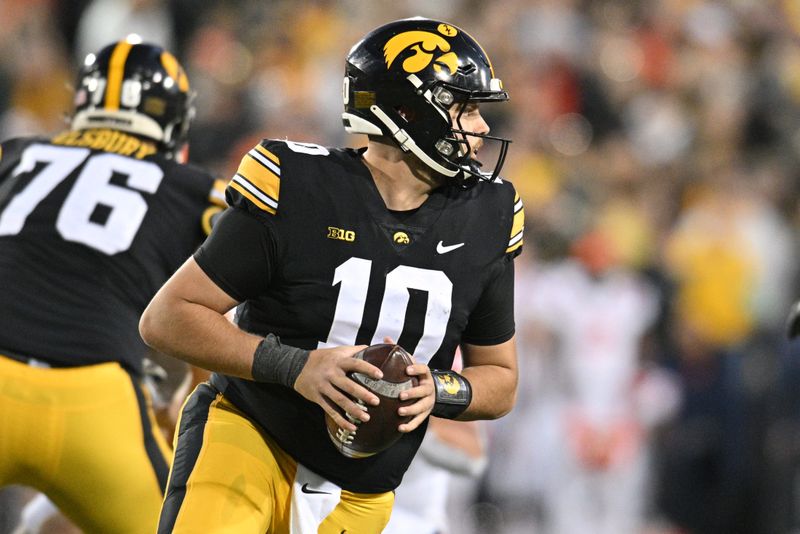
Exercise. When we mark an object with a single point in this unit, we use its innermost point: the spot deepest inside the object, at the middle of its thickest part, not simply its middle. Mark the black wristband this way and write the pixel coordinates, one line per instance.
(275, 363)
(453, 394)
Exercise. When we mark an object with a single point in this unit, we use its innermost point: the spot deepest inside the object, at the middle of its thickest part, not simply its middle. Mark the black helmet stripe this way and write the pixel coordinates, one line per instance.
(116, 73)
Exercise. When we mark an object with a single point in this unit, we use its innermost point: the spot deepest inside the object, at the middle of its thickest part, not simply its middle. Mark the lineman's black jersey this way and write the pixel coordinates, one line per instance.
(92, 223)
(316, 258)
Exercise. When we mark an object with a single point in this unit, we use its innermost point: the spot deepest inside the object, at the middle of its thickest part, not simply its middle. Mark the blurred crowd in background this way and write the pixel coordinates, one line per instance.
(657, 150)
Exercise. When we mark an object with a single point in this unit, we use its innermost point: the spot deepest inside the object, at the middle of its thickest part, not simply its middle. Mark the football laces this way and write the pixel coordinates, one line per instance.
(347, 436)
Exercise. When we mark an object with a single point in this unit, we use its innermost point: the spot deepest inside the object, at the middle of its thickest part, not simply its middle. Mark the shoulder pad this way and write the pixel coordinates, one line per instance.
(517, 227)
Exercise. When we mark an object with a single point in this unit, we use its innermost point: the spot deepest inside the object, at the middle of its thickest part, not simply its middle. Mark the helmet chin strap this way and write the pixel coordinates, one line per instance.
(408, 144)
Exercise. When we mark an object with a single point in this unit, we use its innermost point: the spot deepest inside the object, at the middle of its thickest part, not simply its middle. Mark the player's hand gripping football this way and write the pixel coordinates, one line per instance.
(324, 381)
(425, 394)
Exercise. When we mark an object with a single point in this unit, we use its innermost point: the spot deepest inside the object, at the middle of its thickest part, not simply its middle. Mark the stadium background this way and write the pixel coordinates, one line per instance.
(667, 131)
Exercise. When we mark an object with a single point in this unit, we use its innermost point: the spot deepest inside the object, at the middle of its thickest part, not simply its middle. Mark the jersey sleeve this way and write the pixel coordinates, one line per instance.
(216, 199)
(256, 185)
(239, 255)
(517, 227)
(492, 320)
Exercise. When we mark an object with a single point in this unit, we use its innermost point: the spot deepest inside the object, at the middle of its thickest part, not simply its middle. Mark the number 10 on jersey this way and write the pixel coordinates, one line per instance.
(353, 278)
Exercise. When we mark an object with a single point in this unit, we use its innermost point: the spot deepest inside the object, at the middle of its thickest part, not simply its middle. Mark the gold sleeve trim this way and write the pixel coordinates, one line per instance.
(517, 226)
(268, 154)
(217, 194)
(205, 220)
(252, 198)
(261, 177)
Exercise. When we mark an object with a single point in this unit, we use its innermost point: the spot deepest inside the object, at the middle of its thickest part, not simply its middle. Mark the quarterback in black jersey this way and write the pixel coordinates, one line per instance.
(92, 222)
(324, 251)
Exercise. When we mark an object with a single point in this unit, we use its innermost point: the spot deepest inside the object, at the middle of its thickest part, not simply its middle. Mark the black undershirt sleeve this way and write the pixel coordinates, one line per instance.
(239, 255)
(492, 320)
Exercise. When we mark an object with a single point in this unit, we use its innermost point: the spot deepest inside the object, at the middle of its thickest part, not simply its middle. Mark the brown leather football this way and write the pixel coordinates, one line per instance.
(380, 432)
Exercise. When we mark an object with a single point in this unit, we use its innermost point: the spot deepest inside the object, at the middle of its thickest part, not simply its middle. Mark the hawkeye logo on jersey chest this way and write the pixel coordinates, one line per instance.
(401, 238)
(341, 234)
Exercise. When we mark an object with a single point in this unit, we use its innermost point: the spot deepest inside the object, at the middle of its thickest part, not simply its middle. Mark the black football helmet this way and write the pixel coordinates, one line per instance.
(138, 88)
(401, 80)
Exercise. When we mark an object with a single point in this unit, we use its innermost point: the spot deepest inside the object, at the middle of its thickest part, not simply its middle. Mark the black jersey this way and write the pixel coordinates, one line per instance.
(315, 257)
(92, 223)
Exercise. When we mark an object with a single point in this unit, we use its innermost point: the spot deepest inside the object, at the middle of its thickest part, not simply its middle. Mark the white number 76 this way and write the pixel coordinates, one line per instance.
(92, 188)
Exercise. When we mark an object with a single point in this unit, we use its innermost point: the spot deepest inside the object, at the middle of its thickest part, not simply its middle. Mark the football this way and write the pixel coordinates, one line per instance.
(380, 432)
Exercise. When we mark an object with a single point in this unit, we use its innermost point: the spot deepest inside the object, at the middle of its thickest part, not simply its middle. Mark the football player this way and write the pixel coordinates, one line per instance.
(326, 250)
(92, 222)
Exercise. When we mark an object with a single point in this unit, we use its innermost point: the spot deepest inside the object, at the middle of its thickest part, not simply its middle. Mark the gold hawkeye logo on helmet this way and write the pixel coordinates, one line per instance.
(424, 45)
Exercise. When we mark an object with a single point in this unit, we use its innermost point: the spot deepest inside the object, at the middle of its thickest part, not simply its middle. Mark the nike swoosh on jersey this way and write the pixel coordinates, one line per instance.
(441, 248)
(306, 489)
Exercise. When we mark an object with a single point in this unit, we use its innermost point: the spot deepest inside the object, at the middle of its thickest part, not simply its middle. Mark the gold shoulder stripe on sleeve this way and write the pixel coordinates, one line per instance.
(269, 154)
(517, 226)
(247, 190)
(258, 179)
(269, 161)
(217, 194)
(1, 153)
(261, 173)
(515, 243)
(205, 220)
